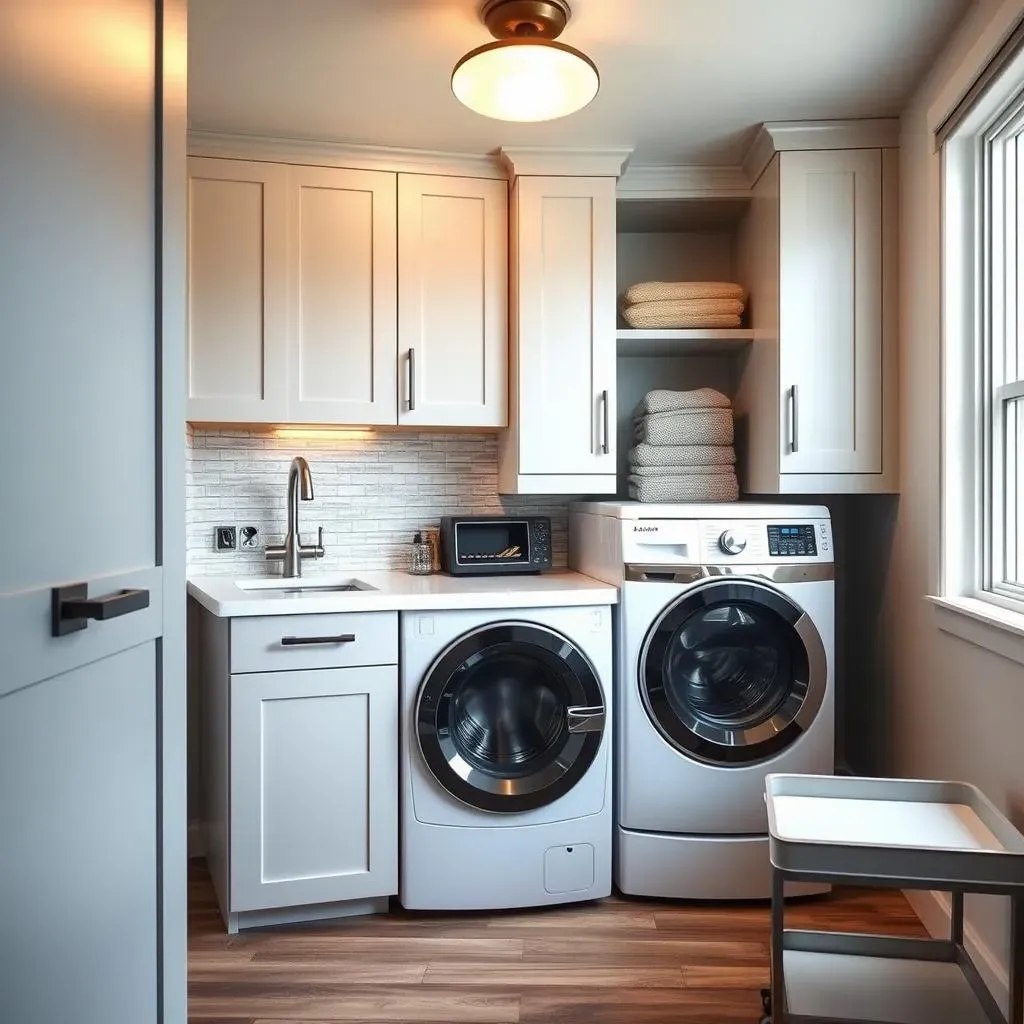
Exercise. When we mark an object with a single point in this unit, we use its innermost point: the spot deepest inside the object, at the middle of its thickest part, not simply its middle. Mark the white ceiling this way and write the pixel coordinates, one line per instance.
(682, 81)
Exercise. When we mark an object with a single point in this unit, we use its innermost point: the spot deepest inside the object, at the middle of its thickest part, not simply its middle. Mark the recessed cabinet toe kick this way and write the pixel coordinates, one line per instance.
(301, 764)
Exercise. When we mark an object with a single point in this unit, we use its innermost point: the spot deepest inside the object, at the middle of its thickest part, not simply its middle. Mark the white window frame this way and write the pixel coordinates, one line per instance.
(1003, 157)
(976, 309)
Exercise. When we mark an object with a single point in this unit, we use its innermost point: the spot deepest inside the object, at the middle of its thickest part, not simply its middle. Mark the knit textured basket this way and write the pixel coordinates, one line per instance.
(654, 291)
(681, 313)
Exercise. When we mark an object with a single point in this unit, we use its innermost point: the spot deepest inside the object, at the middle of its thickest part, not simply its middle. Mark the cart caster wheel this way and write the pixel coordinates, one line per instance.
(766, 1003)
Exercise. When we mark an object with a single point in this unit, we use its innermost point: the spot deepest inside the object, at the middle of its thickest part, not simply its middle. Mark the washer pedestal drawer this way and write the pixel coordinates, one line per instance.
(697, 867)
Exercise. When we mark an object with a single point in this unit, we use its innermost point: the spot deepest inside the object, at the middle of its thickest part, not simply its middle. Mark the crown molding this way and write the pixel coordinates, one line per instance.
(784, 136)
(339, 154)
(682, 182)
(599, 163)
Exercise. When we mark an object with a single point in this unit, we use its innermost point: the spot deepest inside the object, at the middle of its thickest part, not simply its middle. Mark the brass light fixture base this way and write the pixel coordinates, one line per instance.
(537, 19)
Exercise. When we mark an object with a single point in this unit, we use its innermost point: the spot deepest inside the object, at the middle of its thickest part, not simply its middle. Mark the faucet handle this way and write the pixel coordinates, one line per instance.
(319, 553)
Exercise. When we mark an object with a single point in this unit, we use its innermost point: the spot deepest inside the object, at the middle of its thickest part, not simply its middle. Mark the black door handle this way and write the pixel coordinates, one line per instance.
(302, 641)
(72, 608)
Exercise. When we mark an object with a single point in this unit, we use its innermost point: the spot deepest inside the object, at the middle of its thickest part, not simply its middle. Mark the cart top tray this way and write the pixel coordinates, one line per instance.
(906, 827)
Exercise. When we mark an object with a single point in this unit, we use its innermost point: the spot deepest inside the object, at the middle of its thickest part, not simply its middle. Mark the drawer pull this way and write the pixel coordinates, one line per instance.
(303, 641)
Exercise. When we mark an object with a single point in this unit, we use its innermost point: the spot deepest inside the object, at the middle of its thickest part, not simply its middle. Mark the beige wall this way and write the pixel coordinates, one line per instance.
(957, 710)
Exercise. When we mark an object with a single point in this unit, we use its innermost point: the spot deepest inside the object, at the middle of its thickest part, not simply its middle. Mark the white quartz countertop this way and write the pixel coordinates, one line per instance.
(228, 597)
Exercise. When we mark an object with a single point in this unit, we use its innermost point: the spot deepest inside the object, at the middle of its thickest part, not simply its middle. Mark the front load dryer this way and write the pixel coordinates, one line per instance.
(725, 673)
(506, 764)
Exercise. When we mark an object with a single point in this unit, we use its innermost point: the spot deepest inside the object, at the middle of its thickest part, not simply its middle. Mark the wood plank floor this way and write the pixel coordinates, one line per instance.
(615, 962)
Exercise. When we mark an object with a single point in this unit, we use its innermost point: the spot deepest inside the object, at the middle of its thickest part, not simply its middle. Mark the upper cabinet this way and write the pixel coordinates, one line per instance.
(342, 337)
(817, 389)
(452, 301)
(329, 295)
(237, 291)
(830, 311)
(562, 420)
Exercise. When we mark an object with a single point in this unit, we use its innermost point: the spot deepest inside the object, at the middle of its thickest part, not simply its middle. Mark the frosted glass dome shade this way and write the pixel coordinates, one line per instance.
(525, 80)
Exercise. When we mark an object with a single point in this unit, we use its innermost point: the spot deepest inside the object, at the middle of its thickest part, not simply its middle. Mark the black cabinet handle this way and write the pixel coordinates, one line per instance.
(72, 608)
(302, 641)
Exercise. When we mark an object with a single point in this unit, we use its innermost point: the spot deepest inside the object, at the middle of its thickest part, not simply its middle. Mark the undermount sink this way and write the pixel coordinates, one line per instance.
(300, 586)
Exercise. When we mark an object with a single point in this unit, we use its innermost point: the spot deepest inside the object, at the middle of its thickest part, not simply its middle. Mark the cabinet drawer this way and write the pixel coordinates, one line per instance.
(283, 642)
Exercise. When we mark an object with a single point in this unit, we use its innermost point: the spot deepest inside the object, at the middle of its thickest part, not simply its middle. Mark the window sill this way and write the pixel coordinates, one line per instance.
(986, 625)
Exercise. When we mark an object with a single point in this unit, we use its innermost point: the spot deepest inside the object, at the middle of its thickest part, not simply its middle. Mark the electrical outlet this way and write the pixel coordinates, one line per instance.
(226, 538)
(249, 537)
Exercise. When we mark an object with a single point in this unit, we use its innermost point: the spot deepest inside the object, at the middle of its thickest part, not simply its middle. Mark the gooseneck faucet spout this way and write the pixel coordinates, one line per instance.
(292, 551)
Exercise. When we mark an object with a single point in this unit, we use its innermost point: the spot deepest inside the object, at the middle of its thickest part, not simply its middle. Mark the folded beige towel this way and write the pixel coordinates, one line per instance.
(667, 471)
(716, 487)
(681, 313)
(653, 291)
(668, 455)
(688, 426)
(670, 401)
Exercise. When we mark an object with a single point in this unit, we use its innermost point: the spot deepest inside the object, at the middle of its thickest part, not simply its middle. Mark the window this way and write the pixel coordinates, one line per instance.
(1003, 357)
(983, 300)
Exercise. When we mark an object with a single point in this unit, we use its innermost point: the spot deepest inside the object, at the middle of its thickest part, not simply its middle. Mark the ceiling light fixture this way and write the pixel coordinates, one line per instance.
(525, 75)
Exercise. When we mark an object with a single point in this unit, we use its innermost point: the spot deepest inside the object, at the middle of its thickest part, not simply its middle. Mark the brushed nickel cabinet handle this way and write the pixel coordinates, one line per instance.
(412, 380)
(605, 433)
(794, 420)
(305, 641)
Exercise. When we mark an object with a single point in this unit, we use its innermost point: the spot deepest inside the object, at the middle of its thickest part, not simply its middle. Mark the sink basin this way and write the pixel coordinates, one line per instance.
(300, 586)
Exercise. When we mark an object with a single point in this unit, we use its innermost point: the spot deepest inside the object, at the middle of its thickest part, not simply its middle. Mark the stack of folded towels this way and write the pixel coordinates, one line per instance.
(684, 448)
(677, 304)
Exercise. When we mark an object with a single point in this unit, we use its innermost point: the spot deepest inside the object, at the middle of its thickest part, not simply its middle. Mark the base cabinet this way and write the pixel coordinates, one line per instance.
(314, 786)
(300, 763)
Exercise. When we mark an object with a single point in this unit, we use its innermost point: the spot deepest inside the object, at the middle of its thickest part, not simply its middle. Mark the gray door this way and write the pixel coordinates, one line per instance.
(92, 826)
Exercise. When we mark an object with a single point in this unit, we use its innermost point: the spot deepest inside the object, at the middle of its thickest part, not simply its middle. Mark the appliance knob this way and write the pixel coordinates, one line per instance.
(730, 543)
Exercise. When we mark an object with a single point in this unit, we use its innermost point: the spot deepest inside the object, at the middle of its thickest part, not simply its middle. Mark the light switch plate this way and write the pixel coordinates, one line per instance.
(225, 538)
(249, 538)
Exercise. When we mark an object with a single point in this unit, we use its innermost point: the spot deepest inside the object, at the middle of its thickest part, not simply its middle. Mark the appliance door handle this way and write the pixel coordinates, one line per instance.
(412, 379)
(794, 420)
(305, 641)
(605, 433)
(72, 608)
(585, 719)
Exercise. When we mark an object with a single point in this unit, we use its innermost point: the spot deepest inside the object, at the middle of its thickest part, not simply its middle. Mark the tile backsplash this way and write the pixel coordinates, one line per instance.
(372, 492)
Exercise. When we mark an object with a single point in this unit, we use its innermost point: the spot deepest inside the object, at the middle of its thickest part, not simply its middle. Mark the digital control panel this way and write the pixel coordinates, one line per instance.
(791, 540)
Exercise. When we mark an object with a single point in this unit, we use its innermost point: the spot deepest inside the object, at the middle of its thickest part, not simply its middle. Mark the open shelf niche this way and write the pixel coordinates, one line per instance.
(678, 239)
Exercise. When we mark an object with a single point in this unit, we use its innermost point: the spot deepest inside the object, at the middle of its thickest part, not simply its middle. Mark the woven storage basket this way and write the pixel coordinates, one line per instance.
(654, 291)
(683, 313)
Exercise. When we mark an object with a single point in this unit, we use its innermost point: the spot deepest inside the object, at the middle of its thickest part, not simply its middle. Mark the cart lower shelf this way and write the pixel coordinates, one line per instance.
(842, 987)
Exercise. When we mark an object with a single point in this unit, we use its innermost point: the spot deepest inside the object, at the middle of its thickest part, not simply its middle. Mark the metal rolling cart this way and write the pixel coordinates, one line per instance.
(889, 833)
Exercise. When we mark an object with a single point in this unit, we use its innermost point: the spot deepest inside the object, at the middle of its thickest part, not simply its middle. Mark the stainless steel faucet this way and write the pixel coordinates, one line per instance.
(292, 551)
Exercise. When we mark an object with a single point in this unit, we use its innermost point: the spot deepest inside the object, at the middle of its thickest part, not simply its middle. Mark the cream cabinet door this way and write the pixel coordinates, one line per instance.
(341, 288)
(314, 786)
(236, 291)
(831, 312)
(564, 324)
(452, 301)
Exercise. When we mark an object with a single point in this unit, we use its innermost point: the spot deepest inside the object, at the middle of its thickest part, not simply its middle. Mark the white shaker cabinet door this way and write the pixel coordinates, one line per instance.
(452, 301)
(236, 291)
(831, 311)
(564, 321)
(314, 786)
(341, 287)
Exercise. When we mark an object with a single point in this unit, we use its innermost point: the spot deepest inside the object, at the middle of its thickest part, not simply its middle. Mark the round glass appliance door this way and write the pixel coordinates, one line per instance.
(510, 717)
(732, 673)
